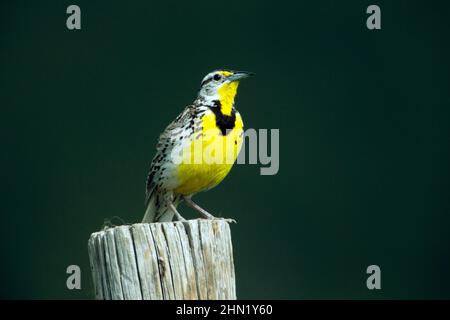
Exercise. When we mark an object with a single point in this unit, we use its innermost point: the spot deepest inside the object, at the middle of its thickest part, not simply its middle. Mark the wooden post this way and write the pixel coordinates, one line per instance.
(163, 261)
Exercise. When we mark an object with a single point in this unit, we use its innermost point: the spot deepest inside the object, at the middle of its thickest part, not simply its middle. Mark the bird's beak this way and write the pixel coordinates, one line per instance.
(239, 75)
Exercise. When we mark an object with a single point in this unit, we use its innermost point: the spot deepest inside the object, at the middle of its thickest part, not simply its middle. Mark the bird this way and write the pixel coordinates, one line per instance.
(197, 150)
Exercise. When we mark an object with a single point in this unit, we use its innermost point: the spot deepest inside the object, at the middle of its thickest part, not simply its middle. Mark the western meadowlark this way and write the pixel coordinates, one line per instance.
(197, 150)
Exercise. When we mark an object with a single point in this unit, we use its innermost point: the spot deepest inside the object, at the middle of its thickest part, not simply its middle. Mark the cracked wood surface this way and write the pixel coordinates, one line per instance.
(163, 261)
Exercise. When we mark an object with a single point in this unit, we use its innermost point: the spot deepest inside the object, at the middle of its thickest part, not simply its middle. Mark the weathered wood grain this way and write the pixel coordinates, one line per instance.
(94, 261)
(112, 265)
(172, 260)
(147, 262)
(131, 286)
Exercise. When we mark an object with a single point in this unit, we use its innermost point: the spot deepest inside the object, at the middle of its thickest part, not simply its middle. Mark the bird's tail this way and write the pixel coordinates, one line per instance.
(157, 211)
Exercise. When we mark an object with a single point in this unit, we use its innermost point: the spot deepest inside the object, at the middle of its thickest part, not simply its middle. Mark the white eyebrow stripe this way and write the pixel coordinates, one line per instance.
(207, 80)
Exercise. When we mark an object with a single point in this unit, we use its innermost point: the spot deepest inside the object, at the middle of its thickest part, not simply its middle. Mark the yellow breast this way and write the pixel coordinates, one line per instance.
(209, 157)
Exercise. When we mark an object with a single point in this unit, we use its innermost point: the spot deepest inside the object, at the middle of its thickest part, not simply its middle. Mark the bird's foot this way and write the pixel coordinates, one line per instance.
(205, 214)
(229, 220)
(177, 215)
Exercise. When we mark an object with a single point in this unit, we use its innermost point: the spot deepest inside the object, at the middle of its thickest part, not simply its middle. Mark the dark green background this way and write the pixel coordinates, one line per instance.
(364, 124)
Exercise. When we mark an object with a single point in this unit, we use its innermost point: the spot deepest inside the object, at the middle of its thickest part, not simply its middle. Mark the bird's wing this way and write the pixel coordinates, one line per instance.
(165, 143)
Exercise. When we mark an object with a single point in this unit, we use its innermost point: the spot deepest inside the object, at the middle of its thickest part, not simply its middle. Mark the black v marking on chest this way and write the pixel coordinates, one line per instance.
(224, 122)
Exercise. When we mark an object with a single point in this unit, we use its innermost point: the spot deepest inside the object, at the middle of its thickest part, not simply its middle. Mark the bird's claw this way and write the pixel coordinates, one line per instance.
(229, 220)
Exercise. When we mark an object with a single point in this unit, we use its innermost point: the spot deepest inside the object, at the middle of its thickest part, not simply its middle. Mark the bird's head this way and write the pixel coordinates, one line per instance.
(220, 87)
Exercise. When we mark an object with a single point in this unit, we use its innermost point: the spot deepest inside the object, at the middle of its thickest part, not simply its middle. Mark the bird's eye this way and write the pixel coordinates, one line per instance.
(217, 77)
